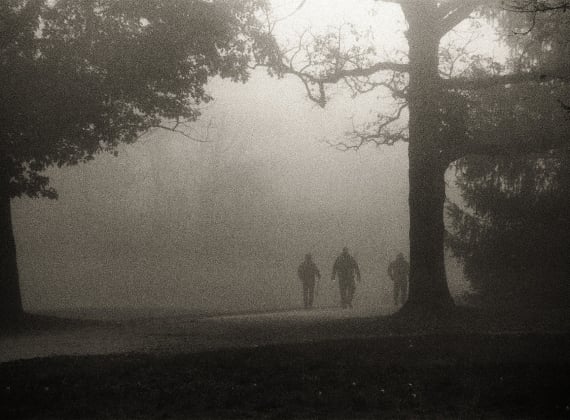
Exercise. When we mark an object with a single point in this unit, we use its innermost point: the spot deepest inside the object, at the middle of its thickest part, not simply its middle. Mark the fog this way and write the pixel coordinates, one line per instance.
(220, 225)
(223, 224)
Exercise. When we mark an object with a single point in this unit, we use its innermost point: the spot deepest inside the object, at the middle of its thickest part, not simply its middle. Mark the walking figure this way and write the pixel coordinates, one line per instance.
(399, 270)
(346, 268)
(307, 273)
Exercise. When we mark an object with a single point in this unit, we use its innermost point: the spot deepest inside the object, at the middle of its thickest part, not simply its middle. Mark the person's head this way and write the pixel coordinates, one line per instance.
(345, 251)
(308, 257)
(400, 256)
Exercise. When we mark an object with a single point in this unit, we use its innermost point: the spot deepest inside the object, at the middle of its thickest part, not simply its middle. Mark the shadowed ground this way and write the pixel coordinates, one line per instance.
(121, 332)
(321, 364)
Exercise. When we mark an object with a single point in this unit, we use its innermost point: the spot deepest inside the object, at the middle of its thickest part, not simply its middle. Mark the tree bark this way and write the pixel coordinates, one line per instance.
(428, 290)
(11, 308)
(428, 283)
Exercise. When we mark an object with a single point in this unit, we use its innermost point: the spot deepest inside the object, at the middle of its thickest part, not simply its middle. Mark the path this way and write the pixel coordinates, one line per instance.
(184, 333)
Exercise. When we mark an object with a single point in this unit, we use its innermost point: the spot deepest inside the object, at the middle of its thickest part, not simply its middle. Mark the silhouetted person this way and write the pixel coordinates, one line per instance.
(398, 270)
(308, 272)
(346, 268)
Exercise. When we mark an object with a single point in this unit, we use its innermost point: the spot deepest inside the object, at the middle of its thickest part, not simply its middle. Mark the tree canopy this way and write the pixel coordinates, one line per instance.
(513, 237)
(80, 77)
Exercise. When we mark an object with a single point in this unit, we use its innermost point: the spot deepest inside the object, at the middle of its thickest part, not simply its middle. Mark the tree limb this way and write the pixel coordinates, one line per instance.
(381, 135)
(455, 17)
(175, 128)
(340, 74)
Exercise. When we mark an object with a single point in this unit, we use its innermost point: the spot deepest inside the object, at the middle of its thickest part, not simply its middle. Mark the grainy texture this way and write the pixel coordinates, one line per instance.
(434, 376)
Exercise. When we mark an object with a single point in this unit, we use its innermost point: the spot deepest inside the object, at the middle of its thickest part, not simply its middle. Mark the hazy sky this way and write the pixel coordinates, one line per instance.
(171, 222)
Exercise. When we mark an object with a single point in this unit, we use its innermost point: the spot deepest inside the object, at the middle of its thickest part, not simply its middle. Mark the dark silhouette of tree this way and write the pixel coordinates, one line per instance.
(513, 231)
(513, 236)
(437, 107)
(80, 77)
(514, 242)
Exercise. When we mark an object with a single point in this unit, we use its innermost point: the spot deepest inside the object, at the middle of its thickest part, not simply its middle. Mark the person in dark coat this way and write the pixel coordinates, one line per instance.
(308, 273)
(399, 270)
(346, 268)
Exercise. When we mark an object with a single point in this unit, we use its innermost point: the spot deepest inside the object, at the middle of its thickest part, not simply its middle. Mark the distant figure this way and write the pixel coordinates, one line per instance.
(307, 273)
(398, 270)
(346, 268)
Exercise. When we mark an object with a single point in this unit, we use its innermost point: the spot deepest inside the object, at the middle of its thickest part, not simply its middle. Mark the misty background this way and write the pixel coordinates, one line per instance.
(220, 225)
(224, 224)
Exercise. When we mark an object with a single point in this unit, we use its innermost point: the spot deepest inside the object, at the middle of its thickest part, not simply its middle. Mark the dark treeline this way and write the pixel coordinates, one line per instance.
(513, 230)
(515, 235)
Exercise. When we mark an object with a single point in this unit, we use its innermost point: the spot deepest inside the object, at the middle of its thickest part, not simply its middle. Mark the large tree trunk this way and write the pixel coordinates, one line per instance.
(10, 300)
(428, 284)
(428, 290)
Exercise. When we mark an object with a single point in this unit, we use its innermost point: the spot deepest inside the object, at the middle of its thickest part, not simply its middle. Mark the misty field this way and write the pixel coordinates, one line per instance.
(361, 367)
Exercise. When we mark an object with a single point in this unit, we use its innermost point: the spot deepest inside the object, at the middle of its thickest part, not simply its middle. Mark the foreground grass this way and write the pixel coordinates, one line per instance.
(428, 376)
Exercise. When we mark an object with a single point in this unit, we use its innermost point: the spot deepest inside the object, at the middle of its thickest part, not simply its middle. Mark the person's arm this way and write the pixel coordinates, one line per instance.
(317, 272)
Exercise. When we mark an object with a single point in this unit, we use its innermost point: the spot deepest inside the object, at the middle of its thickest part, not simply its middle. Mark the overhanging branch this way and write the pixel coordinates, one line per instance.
(184, 129)
(340, 74)
(455, 17)
(310, 79)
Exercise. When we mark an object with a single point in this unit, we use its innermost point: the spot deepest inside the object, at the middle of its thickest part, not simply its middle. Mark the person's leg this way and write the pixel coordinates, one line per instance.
(305, 294)
(342, 288)
(404, 291)
(350, 292)
(396, 292)
(311, 296)
(311, 293)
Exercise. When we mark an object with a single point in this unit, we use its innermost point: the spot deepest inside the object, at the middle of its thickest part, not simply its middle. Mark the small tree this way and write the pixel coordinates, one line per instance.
(80, 77)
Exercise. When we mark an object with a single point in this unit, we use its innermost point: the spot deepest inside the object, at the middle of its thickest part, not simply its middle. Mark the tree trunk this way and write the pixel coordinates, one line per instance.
(10, 300)
(428, 284)
(428, 290)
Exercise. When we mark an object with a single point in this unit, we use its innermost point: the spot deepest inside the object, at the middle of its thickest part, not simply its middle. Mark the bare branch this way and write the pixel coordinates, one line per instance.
(377, 133)
(309, 79)
(394, 84)
(451, 55)
(322, 60)
(185, 131)
(355, 72)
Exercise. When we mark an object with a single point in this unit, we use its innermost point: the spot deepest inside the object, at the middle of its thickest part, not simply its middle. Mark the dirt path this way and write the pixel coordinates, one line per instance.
(185, 333)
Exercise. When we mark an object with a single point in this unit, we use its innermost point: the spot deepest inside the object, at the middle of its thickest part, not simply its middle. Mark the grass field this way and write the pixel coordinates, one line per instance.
(414, 376)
